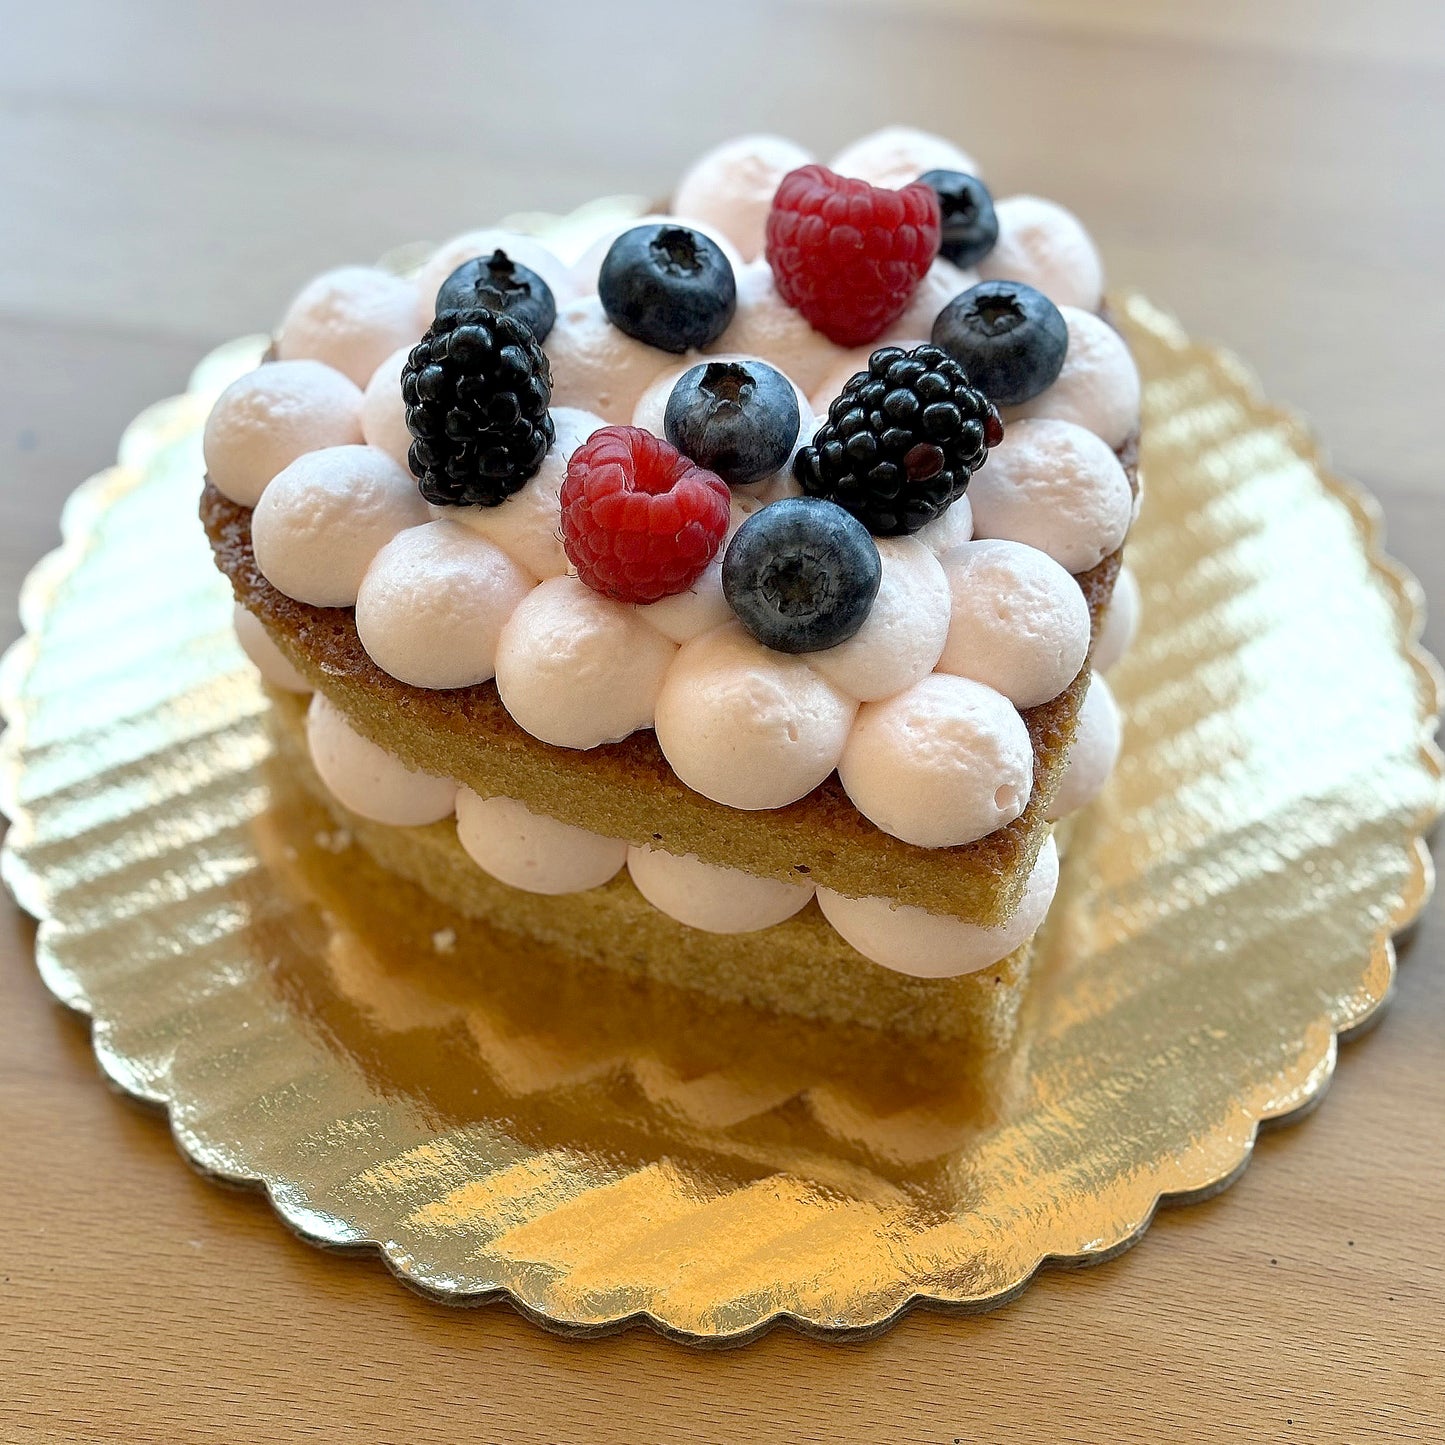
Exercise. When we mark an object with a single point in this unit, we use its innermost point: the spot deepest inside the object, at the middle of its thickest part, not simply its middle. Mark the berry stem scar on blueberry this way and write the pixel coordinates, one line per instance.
(729, 385)
(676, 249)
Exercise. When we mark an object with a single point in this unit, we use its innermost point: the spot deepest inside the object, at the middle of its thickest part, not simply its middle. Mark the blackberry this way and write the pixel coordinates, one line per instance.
(902, 441)
(476, 387)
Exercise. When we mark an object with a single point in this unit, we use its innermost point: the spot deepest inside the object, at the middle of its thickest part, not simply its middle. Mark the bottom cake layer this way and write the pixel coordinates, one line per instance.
(799, 967)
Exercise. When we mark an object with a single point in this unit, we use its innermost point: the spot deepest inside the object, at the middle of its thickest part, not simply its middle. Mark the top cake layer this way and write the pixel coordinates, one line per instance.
(918, 717)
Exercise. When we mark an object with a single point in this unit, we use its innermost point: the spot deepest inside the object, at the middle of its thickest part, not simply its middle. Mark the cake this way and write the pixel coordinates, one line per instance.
(722, 602)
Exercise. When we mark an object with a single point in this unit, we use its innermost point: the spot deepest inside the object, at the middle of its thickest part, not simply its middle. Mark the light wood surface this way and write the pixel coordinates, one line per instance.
(170, 172)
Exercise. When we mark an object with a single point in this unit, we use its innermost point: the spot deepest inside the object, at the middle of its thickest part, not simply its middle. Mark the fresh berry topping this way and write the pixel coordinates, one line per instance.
(500, 284)
(970, 227)
(668, 286)
(1009, 338)
(640, 521)
(901, 442)
(848, 255)
(739, 419)
(801, 575)
(476, 388)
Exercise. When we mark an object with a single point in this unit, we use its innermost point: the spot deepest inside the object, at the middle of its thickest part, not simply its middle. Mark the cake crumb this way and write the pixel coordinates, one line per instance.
(336, 841)
(444, 940)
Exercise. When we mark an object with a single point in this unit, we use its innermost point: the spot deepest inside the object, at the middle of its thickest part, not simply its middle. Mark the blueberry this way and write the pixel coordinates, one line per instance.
(801, 574)
(970, 227)
(668, 286)
(739, 419)
(1009, 338)
(500, 284)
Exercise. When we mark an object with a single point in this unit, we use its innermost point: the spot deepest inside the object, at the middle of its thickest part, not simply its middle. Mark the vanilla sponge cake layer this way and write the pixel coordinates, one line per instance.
(799, 967)
(627, 790)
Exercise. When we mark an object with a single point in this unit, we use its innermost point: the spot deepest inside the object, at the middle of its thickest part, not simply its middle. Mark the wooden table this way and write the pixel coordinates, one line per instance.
(171, 172)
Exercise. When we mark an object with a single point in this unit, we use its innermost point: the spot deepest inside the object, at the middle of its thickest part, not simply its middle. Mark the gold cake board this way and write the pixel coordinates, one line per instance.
(498, 1125)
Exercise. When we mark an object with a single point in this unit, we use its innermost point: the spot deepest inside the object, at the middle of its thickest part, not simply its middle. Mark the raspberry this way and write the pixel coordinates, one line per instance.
(640, 521)
(848, 255)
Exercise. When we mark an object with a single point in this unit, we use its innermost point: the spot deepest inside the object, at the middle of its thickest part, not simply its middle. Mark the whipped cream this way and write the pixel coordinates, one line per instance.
(383, 412)
(352, 318)
(741, 505)
(1098, 736)
(1046, 247)
(699, 609)
(898, 155)
(433, 602)
(939, 286)
(526, 250)
(1098, 387)
(322, 520)
(931, 945)
(847, 364)
(368, 779)
(731, 187)
(779, 485)
(746, 726)
(1057, 487)
(1121, 622)
(595, 366)
(703, 606)
(713, 899)
(273, 664)
(902, 638)
(532, 852)
(1018, 621)
(944, 763)
(950, 530)
(527, 525)
(267, 418)
(651, 406)
(577, 669)
(765, 325)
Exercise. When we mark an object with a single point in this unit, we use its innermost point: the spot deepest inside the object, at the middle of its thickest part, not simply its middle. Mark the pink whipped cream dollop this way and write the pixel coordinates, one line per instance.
(929, 945)
(730, 188)
(367, 779)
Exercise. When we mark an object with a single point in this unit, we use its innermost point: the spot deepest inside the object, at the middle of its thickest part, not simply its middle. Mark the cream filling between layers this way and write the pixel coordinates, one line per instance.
(539, 854)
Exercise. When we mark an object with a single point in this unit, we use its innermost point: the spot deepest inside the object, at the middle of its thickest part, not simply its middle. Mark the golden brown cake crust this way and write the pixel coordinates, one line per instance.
(627, 790)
